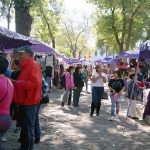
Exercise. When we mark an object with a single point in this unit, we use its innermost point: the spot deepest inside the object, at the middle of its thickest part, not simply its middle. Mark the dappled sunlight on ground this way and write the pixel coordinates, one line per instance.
(71, 128)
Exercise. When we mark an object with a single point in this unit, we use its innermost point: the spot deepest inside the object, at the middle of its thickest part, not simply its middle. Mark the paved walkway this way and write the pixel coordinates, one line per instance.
(73, 129)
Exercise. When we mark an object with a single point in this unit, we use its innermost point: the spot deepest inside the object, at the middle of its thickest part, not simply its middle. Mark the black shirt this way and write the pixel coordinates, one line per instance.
(116, 84)
(78, 80)
(15, 74)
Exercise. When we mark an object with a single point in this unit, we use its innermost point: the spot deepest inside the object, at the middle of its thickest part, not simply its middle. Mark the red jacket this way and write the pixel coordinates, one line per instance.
(28, 87)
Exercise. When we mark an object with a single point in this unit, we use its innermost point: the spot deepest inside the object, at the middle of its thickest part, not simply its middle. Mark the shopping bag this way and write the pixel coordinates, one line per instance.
(65, 97)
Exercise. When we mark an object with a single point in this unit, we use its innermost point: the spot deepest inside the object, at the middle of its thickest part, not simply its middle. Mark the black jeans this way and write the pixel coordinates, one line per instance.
(97, 94)
(76, 95)
(70, 97)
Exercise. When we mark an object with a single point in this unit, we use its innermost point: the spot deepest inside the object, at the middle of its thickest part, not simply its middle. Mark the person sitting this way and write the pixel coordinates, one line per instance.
(6, 95)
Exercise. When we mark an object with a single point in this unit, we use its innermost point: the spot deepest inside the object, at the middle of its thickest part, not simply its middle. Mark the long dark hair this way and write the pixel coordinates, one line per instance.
(77, 69)
(70, 68)
(3, 64)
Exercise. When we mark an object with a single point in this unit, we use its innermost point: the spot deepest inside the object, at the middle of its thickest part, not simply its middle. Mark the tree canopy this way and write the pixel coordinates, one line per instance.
(121, 23)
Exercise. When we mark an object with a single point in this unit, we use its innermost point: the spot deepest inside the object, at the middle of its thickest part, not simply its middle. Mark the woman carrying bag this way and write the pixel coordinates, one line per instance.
(69, 85)
(116, 86)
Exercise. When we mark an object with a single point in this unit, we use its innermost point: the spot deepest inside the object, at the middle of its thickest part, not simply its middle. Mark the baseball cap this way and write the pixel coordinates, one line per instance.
(25, 49)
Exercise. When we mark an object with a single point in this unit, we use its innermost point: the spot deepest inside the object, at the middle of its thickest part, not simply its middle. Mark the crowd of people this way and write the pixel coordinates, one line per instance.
(24, 88)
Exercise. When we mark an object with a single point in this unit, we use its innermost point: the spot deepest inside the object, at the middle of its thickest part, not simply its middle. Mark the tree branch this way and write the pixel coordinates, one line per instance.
(115, 30)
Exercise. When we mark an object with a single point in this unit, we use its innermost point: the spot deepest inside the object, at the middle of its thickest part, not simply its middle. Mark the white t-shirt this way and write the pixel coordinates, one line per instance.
(99, 82)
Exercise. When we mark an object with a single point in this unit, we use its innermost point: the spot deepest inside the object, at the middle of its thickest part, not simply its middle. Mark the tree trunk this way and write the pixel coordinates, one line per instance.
(129, 35)
(53, 43)
(23, 20)
(8, 22)
(74, 53)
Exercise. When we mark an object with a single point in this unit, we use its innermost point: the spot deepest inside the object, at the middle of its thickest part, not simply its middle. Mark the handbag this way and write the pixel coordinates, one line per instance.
(4, 97)
(65, 97)
(117, 98)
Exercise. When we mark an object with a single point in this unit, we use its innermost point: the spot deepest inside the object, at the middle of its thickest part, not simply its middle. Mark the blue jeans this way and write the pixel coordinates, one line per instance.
(27, 126)
(5, 123)
(97, 94)
(114, 105)
(37, 130)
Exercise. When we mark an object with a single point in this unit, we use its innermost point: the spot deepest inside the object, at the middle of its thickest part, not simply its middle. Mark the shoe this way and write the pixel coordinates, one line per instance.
(91, 115)
(74, 105)
(112, 118)
(135, 118)
(3, 139)
(62, 104)
(17, 130)
(97, 114)
(36, 141)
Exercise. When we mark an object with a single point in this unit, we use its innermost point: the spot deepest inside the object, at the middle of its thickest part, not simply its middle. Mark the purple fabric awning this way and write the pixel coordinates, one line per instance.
(130, 54)
(43, 47)
(10, 39)
(145, 50)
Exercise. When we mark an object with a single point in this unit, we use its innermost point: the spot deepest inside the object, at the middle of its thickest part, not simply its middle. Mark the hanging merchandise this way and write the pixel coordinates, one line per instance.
(49, 60)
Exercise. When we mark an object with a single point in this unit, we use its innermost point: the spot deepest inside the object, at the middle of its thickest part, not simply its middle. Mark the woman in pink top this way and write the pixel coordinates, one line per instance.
(69, 82)
(6, 95)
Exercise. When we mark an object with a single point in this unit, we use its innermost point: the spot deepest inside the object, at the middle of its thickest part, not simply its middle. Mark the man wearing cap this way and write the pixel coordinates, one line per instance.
(27, 94)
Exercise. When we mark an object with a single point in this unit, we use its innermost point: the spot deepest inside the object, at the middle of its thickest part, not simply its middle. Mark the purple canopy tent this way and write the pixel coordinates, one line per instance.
(43, 47)
(130, 54)
(10, 39)
(145, 50)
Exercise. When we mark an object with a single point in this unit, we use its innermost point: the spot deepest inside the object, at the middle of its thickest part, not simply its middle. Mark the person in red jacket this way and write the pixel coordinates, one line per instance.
(27, 93)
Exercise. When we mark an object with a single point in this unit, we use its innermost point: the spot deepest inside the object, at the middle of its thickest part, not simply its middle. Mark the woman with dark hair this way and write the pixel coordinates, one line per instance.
(116, 86)
(98, 79)
(6, 95)
(78, 85)
(69, 85)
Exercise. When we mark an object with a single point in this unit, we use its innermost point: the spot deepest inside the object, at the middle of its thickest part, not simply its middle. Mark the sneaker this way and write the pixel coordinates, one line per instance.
(112, 118)
(91, 115)
(3, 139)
(97, 114)
(135, 118)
